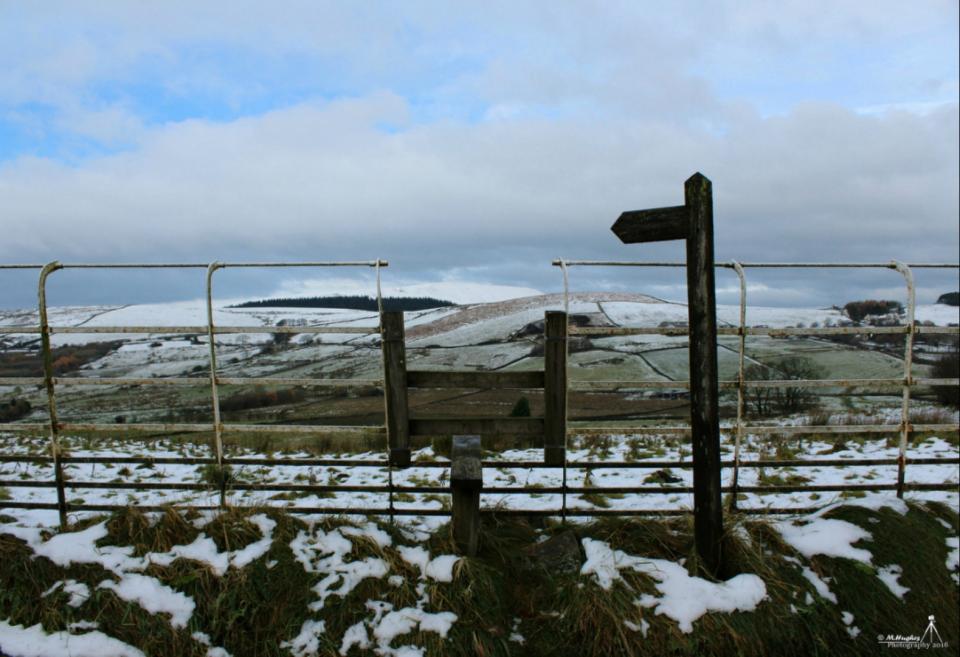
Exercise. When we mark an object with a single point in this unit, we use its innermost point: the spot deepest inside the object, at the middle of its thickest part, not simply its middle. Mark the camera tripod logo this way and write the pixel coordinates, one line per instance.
(930, 639)
(931, 630)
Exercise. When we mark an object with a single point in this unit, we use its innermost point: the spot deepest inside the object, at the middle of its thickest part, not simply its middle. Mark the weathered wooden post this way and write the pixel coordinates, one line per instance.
(395, 387)
(693, 221)
(555, 389)
(466, 481)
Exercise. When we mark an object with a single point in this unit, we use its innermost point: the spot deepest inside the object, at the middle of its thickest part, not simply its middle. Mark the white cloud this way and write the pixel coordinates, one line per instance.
(822, 183)
(582, 113)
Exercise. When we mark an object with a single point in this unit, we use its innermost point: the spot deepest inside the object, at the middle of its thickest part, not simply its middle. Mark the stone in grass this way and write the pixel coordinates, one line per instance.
(559, 554)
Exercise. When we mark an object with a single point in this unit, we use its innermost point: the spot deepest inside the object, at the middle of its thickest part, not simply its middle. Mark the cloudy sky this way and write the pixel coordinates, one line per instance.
(475, 142)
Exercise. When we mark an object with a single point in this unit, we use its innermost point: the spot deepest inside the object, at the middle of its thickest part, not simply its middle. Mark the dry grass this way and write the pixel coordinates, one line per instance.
(561, 614)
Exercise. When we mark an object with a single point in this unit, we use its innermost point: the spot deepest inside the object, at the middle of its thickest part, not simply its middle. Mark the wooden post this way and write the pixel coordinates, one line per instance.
(555, 389)
(466, 482)
(693, 222)
(395, 387)
(704, 400)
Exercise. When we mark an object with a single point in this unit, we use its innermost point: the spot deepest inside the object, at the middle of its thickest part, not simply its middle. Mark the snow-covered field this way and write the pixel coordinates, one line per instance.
(461, 325)
(486, 336)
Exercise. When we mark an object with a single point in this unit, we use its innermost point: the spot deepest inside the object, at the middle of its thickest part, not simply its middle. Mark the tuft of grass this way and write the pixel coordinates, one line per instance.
(781, 478)
(217, 476)
(595, 498)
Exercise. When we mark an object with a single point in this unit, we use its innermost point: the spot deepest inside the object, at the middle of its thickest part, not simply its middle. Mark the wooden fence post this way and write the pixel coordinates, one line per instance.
(555, 389)
(704, 398)
(466, 481)
(395, 387)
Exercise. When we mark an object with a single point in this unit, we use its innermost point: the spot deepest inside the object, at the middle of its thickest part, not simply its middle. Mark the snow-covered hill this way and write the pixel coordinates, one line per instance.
(472, 323)
(491, 335)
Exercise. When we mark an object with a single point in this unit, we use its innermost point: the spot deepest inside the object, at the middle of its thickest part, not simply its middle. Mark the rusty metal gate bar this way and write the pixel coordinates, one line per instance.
(741, 355)
(904, 428)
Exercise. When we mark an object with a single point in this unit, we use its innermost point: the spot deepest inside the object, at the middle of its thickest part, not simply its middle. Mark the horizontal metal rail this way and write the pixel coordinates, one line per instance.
(188, 381)
(487, 490)
(683, 331)
(194, 460)
(312, 510)
(763, 429)
(525, 428)
(473, 382)
(494, 464)
(203, 265)
(189, 427)
(591, 386)
(54, 330)
(758, 265)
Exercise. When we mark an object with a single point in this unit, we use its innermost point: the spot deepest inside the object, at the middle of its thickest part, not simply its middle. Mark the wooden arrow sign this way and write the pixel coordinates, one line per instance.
(654, 225)
(693, 222)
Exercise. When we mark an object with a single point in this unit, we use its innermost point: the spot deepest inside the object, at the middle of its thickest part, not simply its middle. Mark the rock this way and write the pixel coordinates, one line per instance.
(559, 554)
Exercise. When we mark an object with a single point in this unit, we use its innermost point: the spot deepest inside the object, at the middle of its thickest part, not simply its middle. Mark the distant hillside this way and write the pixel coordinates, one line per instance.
(355, 302)
(950, 299)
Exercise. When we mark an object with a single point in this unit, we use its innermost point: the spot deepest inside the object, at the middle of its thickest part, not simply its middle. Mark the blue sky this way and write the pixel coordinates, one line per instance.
(474, 142)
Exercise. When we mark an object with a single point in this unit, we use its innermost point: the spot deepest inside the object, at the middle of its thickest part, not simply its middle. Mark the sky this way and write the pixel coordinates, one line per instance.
(474, 142)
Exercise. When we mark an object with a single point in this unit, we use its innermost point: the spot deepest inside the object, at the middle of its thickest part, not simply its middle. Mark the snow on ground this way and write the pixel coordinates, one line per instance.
(204, 550)
(819, 585)
(19, 641)
(526, 481)
(848, 619)
(477, 324)
(328, 553)
(682, 597)
(953, 557)
(78, 591)
(81, 547)
(890, 575)
(938, 313)
(153, 596)
(815, 535)
(826, 536)
(652, 314)
(183, 313)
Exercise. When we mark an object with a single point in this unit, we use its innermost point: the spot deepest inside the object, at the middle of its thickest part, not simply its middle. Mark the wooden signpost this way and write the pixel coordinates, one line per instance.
(693, 221)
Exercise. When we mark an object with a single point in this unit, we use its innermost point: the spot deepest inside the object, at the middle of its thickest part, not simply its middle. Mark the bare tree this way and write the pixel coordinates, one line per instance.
(782, 400)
